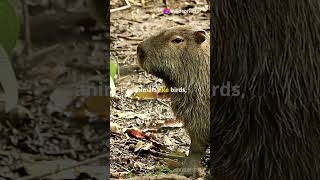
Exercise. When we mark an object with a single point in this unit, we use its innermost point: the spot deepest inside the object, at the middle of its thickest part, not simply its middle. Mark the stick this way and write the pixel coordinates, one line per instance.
(163, 155)
(27, 33)
(37, 56)
(88, 161)
(121, 8)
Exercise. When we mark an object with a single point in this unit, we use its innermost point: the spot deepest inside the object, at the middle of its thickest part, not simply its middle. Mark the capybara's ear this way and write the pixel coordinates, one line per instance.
(199, 36)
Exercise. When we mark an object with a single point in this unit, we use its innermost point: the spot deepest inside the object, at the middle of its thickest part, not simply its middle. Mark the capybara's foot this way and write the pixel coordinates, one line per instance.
(187, 171)
(190, 170)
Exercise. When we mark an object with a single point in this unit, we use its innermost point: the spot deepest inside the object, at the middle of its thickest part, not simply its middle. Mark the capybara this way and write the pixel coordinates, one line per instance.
(180, 56)
(98, 9)
(271, 50)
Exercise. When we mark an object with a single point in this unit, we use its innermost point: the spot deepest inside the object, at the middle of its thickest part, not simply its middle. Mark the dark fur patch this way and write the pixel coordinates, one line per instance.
(272, 50)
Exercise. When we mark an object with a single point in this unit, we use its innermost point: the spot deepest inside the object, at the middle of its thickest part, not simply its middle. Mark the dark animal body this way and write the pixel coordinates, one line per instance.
(271, 49)
(98, 9)
(180, 56)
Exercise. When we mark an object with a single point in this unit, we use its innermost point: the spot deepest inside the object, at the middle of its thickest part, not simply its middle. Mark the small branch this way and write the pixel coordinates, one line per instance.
(121, 8)
(163, 155)
(86, 67)
(166, 176)
(88, 161)
(26, 28)
(135, 3)
(129, 38)
(37, 56)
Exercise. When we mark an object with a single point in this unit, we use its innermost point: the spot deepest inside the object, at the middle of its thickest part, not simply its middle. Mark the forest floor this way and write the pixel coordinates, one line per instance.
(147, 139)
(57, 132)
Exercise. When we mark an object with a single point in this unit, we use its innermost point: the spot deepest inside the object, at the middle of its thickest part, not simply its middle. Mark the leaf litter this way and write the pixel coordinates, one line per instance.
(152, 138)
(55, 134)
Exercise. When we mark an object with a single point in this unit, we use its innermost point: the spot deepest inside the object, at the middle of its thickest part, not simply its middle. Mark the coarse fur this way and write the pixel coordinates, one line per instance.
(98, 9)
(271, 49)
(183, 65)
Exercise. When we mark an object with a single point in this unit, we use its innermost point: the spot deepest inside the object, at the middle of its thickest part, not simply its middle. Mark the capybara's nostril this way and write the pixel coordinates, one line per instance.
(141, 53)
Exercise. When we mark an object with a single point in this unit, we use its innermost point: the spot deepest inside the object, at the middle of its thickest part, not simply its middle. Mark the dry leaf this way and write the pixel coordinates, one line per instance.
(167, 141)
(136, 133)
(114, 128)
(138, 146)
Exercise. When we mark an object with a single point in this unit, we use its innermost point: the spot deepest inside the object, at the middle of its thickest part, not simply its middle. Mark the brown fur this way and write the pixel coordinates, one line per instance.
(98, 10)
(183, 65)
(271, 50)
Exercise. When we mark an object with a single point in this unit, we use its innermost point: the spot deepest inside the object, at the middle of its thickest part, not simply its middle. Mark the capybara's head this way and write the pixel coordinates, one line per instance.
(178, 55)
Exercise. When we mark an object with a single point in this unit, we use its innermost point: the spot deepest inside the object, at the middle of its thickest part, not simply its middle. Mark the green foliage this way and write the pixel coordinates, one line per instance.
(8, 81)
(161, 170)
(112, 88)
(9, 24)
(113, 69)
(130, 174)
(9, 30)
(166, 170)
(113, 73)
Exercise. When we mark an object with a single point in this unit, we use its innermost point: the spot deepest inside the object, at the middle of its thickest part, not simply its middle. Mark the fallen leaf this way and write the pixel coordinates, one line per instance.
(61, 98)
(170, 163)
(147, 146)
(167, 141)
(157, 125)
(114, 128)
(136, 133)
(149, 95)
(119, 175)
(138, 146)
(138, 166)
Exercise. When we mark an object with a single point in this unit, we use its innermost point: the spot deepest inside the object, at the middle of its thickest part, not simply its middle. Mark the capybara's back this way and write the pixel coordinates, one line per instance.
(271, 50)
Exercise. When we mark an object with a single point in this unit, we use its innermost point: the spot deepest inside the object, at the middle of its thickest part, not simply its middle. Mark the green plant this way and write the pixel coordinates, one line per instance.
(9, 31)
(161, 170)
(130, 174)
(113, 73)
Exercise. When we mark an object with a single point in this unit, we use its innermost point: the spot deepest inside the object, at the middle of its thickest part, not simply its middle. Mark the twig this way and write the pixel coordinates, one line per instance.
(5, 153)
(121, 166)
(88, 161)
(38, 55)
(163, 103)
(131, 19)
(63, 152)
(121, 8)
(27, 33)
(129, 38)
(166, 176)
(135, 3)
(163, 155)
(86, 67)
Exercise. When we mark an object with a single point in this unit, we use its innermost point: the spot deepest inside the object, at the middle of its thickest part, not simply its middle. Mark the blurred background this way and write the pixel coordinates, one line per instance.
(57, 50)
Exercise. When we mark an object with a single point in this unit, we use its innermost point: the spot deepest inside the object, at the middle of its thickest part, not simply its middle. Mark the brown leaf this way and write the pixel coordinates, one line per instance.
(149, 95)
(168, 123)
(114, 128)
(136, 133)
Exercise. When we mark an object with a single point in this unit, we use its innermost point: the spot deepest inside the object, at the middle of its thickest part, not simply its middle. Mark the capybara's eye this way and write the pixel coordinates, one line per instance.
(178, 40)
